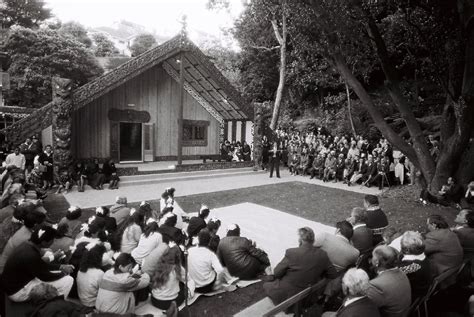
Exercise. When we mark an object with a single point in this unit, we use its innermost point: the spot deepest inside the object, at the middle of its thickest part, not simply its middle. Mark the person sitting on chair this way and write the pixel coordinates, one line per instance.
(376, 218)
(240, 255)
(415, 264)
(355, 284)
(390, 290)
(381, 178)
(362, 239)
(302, 266)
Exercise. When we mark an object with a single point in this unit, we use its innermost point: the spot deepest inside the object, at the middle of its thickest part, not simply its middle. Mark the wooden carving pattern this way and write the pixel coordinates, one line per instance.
(62, 122)
(257, 136)
(128, 115)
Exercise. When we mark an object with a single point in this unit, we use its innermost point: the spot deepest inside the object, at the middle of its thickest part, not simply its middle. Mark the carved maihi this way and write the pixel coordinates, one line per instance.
(257, 137)
(62, 159)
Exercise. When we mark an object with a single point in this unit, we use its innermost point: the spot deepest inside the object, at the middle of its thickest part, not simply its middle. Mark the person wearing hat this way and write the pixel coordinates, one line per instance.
(241, 256)
(120, 210)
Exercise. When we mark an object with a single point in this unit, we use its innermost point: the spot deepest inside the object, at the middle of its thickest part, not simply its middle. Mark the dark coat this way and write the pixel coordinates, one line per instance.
(362, 239)
(391, 292)
(195, 225)
(443, 250)
(242, 258)
(419, 274)
(58, 307)
(361, 307)
(300, 268)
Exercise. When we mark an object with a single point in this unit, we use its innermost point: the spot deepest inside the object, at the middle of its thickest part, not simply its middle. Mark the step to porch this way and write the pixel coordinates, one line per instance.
(150, 179)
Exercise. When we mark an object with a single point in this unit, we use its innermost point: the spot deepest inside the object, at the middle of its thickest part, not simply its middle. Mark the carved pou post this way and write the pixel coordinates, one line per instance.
(257, 136)
(62, 112)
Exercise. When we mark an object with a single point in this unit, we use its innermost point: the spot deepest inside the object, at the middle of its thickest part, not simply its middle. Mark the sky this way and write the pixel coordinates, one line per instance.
(161, 16)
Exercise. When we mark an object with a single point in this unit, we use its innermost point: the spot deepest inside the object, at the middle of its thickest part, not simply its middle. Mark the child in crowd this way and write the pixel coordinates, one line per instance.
(118, 284)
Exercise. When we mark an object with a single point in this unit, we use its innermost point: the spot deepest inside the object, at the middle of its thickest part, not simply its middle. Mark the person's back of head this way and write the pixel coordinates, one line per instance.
(43, 236)
(33, 218)
(92, 258)
(355, 283)
(42, 293)
(204, 212)
(384, 257)
(233, 230)
(438, 222)
(306, 236)
(73, 213)
(204, 238)
(371, 200)
(345, 229)
(359, 215)
(170, 219)
(213, 225)
(412, 243)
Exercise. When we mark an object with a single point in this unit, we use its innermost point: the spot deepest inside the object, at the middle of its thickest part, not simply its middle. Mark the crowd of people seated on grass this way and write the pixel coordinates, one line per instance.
(121, 256)
(32, 168)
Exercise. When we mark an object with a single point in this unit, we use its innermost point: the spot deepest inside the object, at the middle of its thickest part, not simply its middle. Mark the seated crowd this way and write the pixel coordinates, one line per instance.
(355, 160)
(37, 176)
(121, 256)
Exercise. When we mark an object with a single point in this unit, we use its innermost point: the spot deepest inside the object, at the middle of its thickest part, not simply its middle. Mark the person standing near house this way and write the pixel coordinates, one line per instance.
(17, 159)
(46, 159)
(274, 155)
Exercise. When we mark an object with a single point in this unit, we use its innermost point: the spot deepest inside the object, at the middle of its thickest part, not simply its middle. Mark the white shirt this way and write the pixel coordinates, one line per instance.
(88, 286)
(146, 245)
(203, 265)
(350, 301)
(170, 290)
(359, 225)
(17, 160)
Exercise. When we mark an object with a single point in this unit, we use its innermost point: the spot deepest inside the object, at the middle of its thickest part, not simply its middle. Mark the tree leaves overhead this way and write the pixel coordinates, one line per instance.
(142, 43)
(26, 13)
(38, 55)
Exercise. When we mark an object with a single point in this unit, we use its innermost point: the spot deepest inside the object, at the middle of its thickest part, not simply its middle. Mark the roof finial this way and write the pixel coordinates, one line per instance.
(184, 31)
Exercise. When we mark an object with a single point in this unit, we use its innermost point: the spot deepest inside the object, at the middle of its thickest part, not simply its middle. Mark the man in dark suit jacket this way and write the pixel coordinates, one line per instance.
(300, 268)
(362, 238)
(274, 155)
(442, 246)
(390, 290)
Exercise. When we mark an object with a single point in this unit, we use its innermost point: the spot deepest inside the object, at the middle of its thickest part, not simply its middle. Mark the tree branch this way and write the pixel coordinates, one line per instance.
(258, 47)
(277, 32)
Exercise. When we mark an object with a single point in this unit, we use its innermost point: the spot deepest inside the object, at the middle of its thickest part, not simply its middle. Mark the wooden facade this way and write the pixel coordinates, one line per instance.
(154, 92)
(135, 108)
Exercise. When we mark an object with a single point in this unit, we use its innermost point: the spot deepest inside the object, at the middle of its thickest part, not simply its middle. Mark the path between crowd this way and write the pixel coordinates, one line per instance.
(93, 198)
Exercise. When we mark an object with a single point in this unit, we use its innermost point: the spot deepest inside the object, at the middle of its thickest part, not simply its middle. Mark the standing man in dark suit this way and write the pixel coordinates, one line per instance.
(274, 155)
(362, 238)
(356, 303)
(300, 268)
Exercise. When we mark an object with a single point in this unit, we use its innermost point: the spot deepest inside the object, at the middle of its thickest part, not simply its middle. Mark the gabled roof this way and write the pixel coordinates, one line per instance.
(202, 78)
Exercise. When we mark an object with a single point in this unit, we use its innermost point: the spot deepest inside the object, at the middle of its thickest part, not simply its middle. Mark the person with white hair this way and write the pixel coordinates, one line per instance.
(415, 264)
(390, 290)
(120, 210)
(356, 303)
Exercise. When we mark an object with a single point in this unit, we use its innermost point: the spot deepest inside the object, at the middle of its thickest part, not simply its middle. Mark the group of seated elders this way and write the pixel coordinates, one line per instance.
(235, 151)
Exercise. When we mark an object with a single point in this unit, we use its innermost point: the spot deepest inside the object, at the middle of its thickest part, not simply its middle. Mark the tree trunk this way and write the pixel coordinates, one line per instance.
(281, 83)
(376, 115)
(349, 109)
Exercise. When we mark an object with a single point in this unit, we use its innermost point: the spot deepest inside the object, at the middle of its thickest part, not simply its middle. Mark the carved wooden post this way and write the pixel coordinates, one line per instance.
(62, 120)
(257, 136)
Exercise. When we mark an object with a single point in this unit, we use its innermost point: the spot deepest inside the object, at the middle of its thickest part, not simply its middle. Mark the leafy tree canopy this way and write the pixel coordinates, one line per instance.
(38, 55)
(103, 46)
(77, 31)
(142, 43)
(26, 13)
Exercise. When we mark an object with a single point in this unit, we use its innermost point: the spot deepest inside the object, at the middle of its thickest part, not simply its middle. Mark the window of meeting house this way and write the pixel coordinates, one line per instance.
(195, 132)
